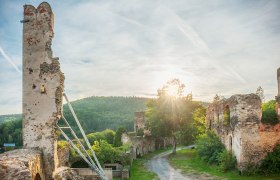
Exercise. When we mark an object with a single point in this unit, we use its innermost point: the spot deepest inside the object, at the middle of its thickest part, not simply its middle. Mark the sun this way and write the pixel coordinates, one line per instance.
(172, 90)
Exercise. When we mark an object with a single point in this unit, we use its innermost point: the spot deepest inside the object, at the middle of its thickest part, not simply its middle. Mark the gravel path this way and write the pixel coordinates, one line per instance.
(160, 165)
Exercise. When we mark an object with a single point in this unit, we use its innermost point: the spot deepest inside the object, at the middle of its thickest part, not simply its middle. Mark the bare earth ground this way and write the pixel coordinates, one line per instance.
(160, 165)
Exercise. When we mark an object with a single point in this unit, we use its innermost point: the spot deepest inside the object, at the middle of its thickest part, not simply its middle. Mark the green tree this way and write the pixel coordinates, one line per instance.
(105, 152)
(170, 112)
(271, 163)
(91, 138)
(199, 117)
(109, 135)
(269, 115)
(118, 137)
(209, 147)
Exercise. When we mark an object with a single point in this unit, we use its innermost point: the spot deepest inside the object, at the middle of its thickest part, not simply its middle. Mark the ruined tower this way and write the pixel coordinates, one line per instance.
(43, 84)
(278, 95)
(139, 121)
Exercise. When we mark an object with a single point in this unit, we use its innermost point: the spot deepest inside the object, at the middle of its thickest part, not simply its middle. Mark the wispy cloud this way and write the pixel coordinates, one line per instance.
(9, 60)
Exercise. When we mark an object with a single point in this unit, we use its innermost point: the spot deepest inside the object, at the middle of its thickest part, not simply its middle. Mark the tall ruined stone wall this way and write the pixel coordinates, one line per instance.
(242, 126)
(43, 85)
(139, 121)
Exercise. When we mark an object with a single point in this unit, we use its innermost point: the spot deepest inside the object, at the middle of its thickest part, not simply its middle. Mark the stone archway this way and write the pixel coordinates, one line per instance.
(37, 177)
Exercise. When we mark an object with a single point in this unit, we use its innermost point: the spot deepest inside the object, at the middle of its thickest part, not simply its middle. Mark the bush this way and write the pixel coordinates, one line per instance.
(209, 147)
(227, 160)
(271, 163)
(269, 115)
(62, 144)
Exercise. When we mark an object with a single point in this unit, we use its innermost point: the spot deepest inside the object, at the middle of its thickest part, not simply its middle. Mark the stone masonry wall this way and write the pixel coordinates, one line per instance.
(21, 164)
(43, 85)
(242, 129)
(139, 121)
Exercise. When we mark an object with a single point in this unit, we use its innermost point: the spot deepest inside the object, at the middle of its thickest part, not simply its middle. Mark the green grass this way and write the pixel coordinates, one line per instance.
(188, 161)
(139, 170)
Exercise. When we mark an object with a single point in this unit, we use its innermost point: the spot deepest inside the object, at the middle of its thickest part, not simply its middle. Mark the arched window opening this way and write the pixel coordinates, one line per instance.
(226, 115)
(37, 177)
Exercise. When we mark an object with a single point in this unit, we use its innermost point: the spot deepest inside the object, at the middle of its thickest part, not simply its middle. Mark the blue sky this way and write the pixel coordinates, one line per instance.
(132, 47)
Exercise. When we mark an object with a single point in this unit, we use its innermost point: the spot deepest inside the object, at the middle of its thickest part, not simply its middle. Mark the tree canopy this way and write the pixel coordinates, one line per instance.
(171, 112)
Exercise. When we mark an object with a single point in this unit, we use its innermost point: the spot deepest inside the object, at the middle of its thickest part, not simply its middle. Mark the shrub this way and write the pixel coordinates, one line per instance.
(62, 144)
(271, 163)
(209, 147)
(227, 160)
(269, 115)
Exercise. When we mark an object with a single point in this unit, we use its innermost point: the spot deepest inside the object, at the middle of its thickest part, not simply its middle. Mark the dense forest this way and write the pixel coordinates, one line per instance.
(95, 114)
(100, 113)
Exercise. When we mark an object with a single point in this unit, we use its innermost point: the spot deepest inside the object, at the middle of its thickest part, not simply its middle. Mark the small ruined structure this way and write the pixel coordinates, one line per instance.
(145, 143)
(237, 121)
(139, 124)
(139, 121)
(43, 84)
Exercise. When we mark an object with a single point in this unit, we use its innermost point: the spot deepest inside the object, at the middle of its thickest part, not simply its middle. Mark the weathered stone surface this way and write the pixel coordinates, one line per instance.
(144, 145)
(63, 154)
(21, 164)
(139, 123)
(243, 134)
(243, 125)
(43, 85)
(66, 173)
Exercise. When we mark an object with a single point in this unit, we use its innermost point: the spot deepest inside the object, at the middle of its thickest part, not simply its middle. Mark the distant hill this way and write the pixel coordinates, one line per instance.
(10, 117)
(99, 113)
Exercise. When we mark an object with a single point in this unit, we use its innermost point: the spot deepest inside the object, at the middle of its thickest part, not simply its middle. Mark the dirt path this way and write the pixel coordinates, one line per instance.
(160, 165)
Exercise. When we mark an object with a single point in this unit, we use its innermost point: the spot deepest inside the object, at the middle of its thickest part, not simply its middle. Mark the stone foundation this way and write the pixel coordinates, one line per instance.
(21, 164)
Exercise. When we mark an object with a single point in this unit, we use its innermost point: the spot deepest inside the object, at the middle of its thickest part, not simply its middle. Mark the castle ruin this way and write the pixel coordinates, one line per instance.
(237, 121)
(43, 84)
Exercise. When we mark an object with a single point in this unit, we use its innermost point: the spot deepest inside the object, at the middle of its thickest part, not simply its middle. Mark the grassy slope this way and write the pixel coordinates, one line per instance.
(187, 160)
